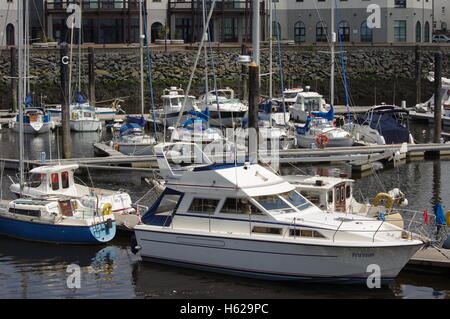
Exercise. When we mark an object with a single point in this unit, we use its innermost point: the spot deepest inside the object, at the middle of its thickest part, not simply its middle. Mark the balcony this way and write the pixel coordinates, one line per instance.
(221, 5)
(94, 5)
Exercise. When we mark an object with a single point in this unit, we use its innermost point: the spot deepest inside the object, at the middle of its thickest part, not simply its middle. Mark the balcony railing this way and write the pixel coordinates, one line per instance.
(94, 4)
(220, 4)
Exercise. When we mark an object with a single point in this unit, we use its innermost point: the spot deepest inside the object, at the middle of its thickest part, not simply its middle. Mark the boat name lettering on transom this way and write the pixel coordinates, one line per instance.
(363, 255)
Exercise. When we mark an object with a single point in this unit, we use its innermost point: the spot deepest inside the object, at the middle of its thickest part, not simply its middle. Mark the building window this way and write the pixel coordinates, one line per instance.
(344, 31)
(366, 33)
(321, 32)
(418, 32)
(10, 34)
(400, 31)
(299, 32)
(276, 29)
(427, 32)
(400, 4)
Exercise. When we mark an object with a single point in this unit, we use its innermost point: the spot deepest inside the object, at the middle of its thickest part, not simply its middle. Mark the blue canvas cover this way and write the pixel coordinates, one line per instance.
(326, 115)
(140, 120)
(128, 126)
(80, 99)
(28, 100)
(304, 129)
(387, 126)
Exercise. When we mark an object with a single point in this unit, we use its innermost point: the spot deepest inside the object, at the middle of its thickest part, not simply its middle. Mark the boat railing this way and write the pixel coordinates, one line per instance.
(412, 231)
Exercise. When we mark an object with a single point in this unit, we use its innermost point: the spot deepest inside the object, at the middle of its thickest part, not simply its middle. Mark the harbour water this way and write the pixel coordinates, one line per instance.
(34, 270)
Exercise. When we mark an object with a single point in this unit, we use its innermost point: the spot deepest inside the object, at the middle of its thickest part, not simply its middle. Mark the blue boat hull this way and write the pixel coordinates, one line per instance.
(58, 234)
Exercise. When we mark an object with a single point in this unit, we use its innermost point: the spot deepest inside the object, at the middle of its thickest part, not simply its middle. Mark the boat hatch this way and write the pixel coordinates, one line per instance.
(65, 207)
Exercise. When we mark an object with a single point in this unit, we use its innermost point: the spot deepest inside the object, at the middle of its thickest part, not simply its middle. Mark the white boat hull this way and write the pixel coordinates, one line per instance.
(306, 141)
(33, 128)
(85, 125)
(135, 149)
(270, 259)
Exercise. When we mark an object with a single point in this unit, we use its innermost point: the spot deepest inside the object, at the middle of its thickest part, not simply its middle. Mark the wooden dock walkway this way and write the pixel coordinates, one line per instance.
(430, 259)
(429, 117)
(359, 157)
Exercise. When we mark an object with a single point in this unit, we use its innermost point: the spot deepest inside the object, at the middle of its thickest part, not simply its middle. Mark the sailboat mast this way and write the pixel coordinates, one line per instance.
(256, 31)
(270, 52)
(333, 40)
(141, 54)
(206, 53)
(79, 49)
(21, 90)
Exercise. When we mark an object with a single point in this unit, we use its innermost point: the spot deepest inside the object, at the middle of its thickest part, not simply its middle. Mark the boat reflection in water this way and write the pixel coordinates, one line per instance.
(36, 270)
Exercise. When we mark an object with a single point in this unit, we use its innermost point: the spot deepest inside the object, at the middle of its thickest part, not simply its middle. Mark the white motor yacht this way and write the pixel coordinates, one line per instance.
(306, 103)
(242, 219)
(224, 108)
(172, 101)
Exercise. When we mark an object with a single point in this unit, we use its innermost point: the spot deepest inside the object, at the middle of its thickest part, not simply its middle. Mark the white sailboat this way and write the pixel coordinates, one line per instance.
(83, 117)
(244, 220)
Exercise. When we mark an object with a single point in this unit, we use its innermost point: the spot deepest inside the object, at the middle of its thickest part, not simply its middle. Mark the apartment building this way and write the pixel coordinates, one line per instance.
(8, 22)
(117, 21)
(395, 20)
(442, 15)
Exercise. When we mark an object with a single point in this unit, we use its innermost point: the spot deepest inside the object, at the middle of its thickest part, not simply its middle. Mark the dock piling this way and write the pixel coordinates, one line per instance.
(65, 101)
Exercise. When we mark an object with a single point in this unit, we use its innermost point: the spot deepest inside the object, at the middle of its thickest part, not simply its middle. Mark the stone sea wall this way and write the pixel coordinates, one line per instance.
(374, 74)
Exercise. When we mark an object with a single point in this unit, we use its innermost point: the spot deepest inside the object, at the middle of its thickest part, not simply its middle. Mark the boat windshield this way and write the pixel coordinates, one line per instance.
(36, 180)
(312, 104)
(290, 95)
(297, 200)
(275, 203)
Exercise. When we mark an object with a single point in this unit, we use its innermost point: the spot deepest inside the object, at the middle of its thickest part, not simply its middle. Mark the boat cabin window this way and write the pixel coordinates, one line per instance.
(36, 180)
(305, 233)
(312, 104)
(348, 191)
(65, 179)
(203, 205)
(239, 206)
(87, 114)
(55, 181)
(330, 197)
(313, 197)
(266, 230)
(26, 212)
